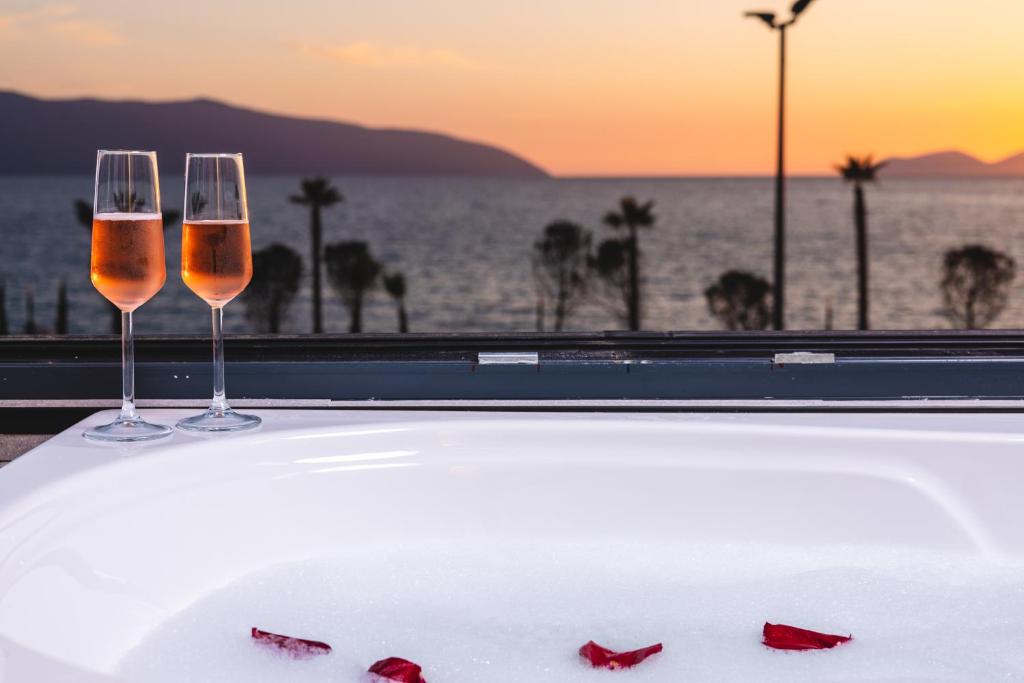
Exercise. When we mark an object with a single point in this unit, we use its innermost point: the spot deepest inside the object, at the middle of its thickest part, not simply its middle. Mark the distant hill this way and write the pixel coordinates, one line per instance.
(952, 164)
(62, 136)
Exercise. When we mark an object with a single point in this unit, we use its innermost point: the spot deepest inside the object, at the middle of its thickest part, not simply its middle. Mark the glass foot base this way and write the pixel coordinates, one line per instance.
(219, 421)
(128, 430)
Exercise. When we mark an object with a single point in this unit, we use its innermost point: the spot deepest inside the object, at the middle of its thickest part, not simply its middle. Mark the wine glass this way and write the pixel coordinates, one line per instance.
(127, 266)
(216, 264)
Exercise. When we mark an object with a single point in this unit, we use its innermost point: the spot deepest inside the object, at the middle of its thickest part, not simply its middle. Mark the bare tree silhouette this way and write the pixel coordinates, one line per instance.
(61, 323)
(561, 269)
(611, 263)
(83, 212)
(353, 272)
(394, 285)
(976, 285)
(276, 273)
(317, 194)
(859, 171)
(170, 217)
(632, 216)
(740, 300)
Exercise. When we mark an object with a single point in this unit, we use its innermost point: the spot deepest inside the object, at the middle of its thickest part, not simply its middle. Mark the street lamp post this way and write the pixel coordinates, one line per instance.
(779, 279)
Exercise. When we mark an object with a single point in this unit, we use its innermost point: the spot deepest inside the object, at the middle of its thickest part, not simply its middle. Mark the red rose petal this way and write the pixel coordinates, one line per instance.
(782, 637)
(297, 648)
(602, 657)
(398, 669)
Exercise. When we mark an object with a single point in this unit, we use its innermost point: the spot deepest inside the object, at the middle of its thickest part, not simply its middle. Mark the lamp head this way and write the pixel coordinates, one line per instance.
(766, 17)
(799, 6)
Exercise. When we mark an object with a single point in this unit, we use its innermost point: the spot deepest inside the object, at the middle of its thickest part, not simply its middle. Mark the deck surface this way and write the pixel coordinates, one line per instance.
(13, 445)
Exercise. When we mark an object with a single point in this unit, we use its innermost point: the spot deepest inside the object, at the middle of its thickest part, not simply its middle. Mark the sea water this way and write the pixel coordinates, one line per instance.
(499, 612)
(465, 247)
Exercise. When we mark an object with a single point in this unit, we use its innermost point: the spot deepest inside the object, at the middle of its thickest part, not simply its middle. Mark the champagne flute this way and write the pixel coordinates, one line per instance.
(127, 266)
(216, 264)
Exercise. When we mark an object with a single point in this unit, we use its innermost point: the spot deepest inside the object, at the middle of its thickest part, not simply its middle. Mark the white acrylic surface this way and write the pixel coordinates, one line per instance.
(102, 547)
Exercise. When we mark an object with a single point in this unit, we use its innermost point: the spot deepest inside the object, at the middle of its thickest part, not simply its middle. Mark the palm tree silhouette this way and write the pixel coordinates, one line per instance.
(353, 272)
(276, 273)
(560, 269)
(394, 285)
(860, 170)
(740, 300)
(632, 216)
(976, 285)
(83, 212)
(317, 194)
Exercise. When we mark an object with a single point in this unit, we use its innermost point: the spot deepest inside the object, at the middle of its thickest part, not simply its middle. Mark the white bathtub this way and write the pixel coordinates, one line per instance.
(101, 547)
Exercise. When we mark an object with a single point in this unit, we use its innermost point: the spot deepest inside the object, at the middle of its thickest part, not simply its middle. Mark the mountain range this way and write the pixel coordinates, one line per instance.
(952, 164)
(62, 136)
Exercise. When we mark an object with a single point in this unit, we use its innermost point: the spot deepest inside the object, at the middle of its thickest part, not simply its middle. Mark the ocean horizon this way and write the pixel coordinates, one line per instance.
(464, 246)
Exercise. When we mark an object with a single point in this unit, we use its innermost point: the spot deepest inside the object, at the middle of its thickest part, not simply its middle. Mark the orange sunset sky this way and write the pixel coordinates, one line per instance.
(581, 87)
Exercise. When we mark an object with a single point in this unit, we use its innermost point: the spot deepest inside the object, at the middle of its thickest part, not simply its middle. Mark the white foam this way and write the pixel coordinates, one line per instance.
(503, 613)
(127, 216)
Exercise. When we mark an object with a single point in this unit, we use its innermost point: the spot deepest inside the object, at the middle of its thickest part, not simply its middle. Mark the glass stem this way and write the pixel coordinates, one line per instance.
(127, 369)
(220, 401)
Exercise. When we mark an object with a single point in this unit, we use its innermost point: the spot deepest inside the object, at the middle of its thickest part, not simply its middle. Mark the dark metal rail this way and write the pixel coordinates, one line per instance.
(599, 366)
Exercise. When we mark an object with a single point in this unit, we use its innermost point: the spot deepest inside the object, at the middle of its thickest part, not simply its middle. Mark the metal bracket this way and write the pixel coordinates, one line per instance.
(508, 358)
(803, 358)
